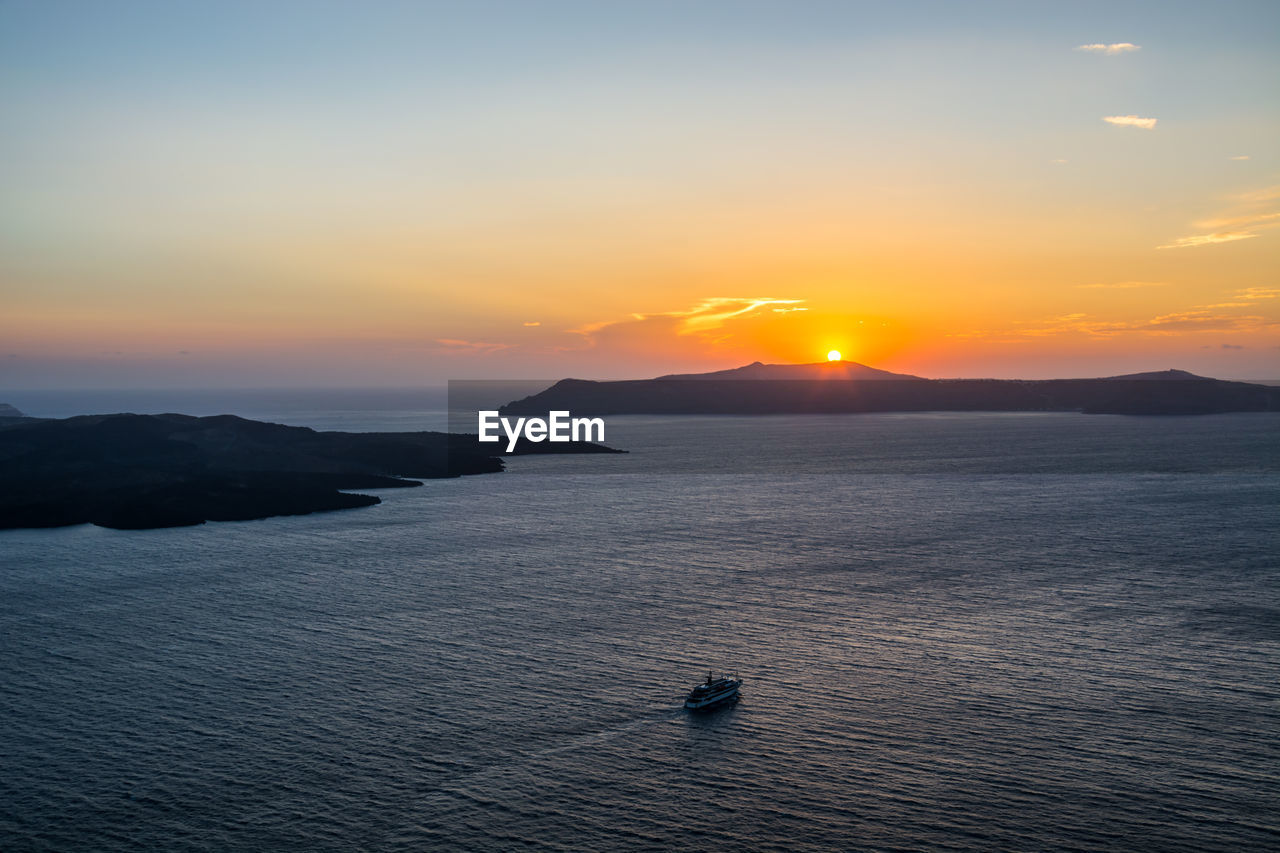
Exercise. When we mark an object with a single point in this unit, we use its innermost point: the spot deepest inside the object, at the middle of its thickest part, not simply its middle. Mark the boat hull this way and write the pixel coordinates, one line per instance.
(712, 699)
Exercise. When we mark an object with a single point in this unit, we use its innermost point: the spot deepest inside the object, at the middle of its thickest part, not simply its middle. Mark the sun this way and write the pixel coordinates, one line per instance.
(834, 355)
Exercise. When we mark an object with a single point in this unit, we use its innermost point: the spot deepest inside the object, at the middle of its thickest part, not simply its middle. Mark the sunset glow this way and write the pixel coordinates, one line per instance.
(834, 355)
(213, 194)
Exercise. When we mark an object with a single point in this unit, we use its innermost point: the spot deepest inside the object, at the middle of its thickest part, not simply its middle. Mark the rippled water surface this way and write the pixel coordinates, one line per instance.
(969, 632)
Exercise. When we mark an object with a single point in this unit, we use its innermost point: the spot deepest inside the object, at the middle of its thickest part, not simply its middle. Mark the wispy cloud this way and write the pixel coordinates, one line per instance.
(1248, 220)
(1207, 239)
(533, 323)
(1201, 321)
(712, 313)
(1110, 49)
(1259, 293)
(1178, 322)
(1241, 157)
(1131, 121)
(461, 347)
(1057, 162)
(697, 325)
(1261, 196)
(1250, 213)
(1123, 285)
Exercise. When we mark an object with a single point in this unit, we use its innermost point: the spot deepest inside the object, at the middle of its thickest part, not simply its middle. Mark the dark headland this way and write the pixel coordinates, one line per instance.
(142, 471)
(848, 387)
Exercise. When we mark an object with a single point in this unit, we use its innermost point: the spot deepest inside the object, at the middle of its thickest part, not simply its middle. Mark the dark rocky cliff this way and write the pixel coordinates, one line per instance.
(142, 471)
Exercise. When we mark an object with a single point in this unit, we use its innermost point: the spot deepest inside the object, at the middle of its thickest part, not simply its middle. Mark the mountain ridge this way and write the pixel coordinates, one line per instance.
(831, 370)
(741, 391)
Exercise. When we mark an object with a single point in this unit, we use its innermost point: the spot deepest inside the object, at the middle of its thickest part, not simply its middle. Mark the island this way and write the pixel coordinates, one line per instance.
(848, 387)
(130, 471)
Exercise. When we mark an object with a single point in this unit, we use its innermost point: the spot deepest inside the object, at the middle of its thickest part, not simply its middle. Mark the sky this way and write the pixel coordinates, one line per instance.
(266, 194)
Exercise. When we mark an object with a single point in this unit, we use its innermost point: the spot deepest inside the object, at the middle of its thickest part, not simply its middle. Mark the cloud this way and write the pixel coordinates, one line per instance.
(1057, 325)
(1110, 49)
(1131, 121)
(713, 313)
(1164, 324)
(1259, 196)
(1241, 157)
(1259, 293)
(1123, 285)
(1250, 213)
(695, 326)
(1207, 239)
(1200, 321)
(708, 314)
(1249, 220)
(533, 323)
(1058, 162)
(459, 347)
(1232, 346)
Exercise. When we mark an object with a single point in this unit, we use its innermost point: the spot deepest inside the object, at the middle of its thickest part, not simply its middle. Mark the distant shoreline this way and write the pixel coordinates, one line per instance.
(1196, 396)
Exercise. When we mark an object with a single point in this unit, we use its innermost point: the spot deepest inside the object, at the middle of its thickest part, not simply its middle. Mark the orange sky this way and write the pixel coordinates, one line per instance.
(401, 200)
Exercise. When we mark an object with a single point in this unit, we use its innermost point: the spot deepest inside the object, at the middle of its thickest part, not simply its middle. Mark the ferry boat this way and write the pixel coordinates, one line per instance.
(714, 691)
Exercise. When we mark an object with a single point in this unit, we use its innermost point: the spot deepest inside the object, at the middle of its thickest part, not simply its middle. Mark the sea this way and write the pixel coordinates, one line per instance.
(956, 631)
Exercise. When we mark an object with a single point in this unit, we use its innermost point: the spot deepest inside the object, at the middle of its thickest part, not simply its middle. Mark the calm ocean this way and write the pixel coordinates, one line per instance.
(957, 632)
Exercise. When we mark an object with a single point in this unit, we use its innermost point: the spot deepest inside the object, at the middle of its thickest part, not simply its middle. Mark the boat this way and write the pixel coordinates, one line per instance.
(712, 692)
